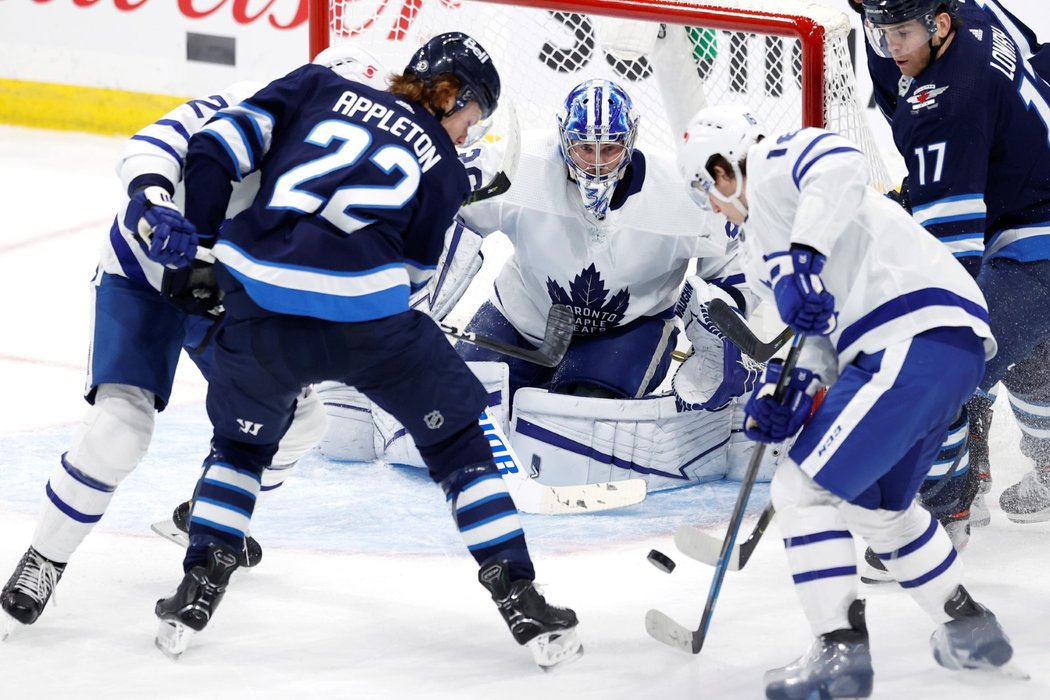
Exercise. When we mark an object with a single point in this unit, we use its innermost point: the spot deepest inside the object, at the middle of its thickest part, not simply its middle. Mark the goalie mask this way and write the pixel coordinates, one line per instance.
(722, 130)
(352, 62)
(597, 127)
(899, 27)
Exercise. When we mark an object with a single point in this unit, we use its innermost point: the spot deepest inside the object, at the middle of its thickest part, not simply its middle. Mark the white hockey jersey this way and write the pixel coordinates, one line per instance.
(156, 154)
(629, 265)
(890, 278)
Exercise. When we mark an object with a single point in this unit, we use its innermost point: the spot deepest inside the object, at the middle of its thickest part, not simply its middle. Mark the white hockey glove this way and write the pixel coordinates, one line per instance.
(716, 372)
(160, 228)
(458, 264)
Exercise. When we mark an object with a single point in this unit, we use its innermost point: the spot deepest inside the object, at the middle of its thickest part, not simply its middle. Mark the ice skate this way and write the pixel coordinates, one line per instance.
(1028, 501)
(190, 608)
(178, 528)
(28, 590)
(837, 665)
(973, 640)
(980, 516)
(548, 632)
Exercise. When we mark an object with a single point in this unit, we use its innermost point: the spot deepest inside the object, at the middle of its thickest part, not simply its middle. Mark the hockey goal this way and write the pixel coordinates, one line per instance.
(786, 59)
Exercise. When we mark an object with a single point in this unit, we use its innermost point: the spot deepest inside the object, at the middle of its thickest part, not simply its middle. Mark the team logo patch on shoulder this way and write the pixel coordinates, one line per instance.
(925, 97)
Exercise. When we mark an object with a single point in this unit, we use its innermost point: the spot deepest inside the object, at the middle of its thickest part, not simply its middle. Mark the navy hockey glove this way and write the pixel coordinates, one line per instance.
(160, 228)
(769, 420)
(803, 302)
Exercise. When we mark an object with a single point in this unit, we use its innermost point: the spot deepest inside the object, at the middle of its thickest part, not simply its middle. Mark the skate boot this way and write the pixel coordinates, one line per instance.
(1028, 501)
(30, 587)
(980, 516)
(973, 639)
(838, 665)
(549, 633)
(248, 557)
(189, 609)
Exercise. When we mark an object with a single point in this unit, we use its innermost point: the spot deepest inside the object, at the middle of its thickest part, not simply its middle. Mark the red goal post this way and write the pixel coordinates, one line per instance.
(786, 59)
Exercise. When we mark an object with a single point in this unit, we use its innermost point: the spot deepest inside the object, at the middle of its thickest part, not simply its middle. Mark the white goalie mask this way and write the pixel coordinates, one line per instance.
(722, 130)
(353, 62)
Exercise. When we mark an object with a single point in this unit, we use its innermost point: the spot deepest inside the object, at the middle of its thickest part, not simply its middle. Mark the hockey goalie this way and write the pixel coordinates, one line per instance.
(609, 230)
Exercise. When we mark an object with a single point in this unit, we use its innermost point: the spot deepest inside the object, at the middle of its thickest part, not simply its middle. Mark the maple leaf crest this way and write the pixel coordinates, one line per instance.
(587, 297)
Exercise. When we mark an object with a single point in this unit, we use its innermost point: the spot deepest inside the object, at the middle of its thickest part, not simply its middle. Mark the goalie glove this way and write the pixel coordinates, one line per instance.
(716, 372)
(768, 420)
(160, 228)
(803, 302)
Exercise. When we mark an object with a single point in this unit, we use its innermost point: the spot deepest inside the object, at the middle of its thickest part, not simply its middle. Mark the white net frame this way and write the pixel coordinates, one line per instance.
(788, 60)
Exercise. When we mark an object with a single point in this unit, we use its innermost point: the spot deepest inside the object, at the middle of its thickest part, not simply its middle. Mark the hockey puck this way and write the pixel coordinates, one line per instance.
(661, 561)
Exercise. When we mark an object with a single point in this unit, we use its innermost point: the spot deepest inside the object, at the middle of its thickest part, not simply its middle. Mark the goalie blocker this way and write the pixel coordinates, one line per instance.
(566, 440)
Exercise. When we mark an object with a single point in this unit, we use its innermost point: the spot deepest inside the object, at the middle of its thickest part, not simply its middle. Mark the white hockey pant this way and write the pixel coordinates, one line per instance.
(818, 526)
(110, 441)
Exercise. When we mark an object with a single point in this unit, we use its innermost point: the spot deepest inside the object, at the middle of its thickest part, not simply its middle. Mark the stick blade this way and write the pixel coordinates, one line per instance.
(697, 544)
(561, 321)
(592, 498)
(663, 629)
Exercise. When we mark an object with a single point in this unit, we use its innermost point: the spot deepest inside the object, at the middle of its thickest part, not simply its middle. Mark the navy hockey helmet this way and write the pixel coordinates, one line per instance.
(463, 57)
(887, 23)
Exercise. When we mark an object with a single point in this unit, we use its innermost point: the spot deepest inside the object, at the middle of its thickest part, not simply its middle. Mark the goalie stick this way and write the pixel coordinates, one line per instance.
(658, 624)
(736, 329)
(556, 339)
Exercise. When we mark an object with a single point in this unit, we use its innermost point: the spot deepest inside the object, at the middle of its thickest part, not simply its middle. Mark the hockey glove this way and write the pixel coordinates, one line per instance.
(769, 420)
(160, 228)
(193, 289)
(901, 195)
(803, 302)
(716, 372)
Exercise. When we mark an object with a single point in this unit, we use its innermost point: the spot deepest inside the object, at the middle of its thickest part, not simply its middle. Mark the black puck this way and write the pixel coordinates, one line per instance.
(661, 561)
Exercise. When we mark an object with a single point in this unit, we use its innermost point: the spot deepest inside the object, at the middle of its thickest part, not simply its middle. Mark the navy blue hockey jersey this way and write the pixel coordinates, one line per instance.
(973, 130)
(356, 191)
(976, 15)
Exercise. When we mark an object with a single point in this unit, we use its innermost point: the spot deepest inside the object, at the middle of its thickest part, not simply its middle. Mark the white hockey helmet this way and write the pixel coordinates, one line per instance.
(354, 62)
(726, 130)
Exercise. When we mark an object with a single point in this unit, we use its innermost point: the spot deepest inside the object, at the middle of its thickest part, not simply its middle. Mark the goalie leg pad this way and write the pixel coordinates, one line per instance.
(571, 440)
(741, 448)
(350, 432)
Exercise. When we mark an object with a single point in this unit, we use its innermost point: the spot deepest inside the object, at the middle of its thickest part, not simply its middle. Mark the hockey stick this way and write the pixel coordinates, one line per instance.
(697, 544)
(530, 496)
(658, 624)
(736, 329)
(556, 339)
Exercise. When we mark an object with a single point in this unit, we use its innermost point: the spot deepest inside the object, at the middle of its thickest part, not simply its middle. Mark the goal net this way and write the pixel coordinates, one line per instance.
(788, 60)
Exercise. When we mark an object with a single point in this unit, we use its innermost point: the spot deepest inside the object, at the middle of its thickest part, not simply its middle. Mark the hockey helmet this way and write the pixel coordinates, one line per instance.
(353, 62)
(463, 57)
(726, 130)
(597, 114)
(902, 26)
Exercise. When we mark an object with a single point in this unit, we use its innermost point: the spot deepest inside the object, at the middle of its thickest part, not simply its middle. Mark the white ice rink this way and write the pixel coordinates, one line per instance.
(365, 590)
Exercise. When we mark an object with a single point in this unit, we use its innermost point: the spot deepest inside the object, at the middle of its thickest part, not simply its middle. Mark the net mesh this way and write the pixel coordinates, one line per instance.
(670, 70)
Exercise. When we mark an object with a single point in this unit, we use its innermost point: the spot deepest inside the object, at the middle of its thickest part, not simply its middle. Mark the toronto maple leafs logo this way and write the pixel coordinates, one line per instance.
(587, 297)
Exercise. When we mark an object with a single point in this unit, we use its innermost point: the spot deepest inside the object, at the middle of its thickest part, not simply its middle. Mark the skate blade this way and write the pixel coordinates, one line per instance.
(553, 649)
(173, 638)
(9, 626)
(168, 530)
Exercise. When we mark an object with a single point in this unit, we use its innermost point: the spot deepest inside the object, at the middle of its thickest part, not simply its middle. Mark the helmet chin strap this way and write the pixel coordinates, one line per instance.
(734, 198)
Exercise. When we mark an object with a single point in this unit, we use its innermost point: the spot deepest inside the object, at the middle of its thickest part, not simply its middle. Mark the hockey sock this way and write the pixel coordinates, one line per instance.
(487, 518)
(915, 549)
(946, 489)
(222, 509)
(75, 502)
(820, 550)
